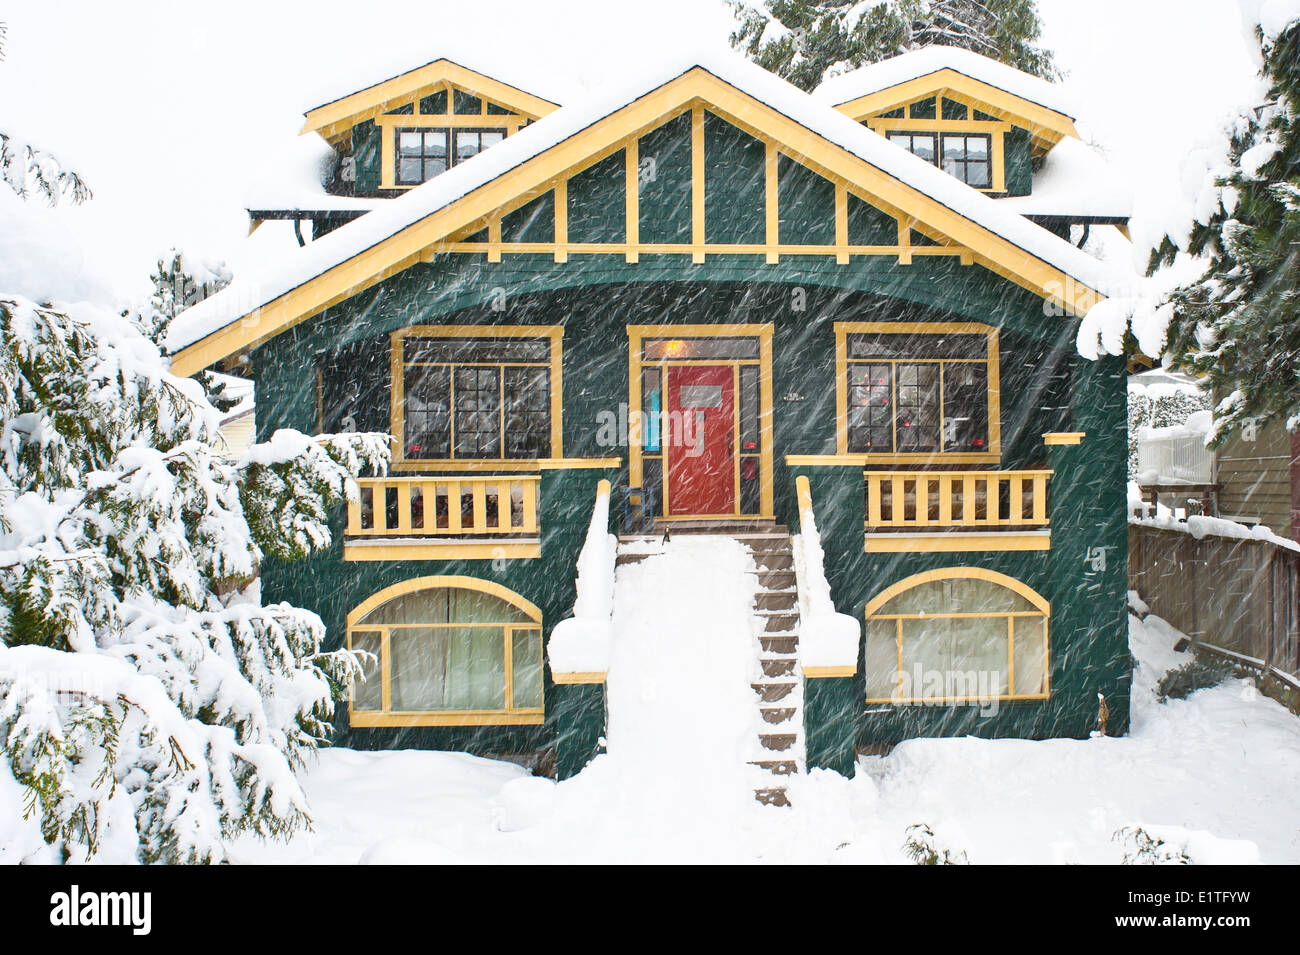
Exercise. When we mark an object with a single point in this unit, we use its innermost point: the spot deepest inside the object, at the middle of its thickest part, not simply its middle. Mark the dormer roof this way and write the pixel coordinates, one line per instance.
(980, 83)
(334, 119)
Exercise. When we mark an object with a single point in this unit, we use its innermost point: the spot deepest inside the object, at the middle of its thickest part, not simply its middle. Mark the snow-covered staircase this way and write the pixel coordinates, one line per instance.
(775, 749)
(778, 683)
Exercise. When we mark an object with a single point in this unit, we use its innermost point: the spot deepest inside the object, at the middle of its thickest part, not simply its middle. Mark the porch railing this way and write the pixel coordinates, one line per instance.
(956, 500)
(443, 506)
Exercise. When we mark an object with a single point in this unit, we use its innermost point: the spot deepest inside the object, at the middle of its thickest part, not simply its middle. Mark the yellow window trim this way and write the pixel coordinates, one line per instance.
(397, 396)
(995, 131)
(515, 716)
(844, 329)
(971, 573)
(636, 334)
(371, 718)
(443, 580)
(1064, 437)
(1046, 126)
(333, 119)
(542, 172)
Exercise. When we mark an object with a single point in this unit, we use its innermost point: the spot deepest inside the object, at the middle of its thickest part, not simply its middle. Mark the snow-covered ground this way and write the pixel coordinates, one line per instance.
(1217, 770)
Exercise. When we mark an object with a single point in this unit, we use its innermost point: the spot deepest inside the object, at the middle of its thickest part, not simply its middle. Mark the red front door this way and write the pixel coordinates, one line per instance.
(701, 405)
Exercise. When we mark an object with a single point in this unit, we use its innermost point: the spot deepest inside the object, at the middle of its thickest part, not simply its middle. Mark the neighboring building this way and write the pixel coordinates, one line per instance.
(701, 290)
(239, 424)
(1255, 472)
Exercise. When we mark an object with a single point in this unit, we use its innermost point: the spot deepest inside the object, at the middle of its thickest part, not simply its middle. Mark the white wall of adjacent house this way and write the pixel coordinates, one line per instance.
(238, 431)
(1176, 454)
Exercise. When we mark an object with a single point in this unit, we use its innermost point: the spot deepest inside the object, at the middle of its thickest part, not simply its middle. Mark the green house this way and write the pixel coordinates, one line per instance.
(722, 305)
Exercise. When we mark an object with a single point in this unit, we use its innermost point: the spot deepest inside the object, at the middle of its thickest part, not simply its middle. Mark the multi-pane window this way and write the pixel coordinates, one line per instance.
(447, 652)
(968, 157)
(920, 144)
(925, 392)
(956, 638)
(424, 153)
(485, 398)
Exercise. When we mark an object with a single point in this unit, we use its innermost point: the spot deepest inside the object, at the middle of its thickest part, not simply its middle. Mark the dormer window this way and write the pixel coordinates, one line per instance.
(423, 154)
(969, 157)
(919, 144)
(965, 156)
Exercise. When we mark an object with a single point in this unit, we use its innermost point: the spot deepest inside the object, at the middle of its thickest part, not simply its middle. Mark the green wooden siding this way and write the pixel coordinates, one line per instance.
(734, 184)
(597, 198)
(665, 176)
(1017, 159)
(366, 154)
(806, 202)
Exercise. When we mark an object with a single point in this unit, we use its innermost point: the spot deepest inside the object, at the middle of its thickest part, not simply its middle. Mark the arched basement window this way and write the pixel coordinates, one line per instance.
(450, 651)
(962, 634)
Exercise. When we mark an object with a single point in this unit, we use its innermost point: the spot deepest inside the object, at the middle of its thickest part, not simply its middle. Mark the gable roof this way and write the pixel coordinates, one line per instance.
(997, 88)
(274, 295)
(334, 118)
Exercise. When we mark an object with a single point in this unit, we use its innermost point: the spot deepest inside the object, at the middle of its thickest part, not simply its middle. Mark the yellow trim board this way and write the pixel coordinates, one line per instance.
(578, 677)
(822, 673)
(1064, 437)
(333, 118)
(447, 718)
(956, 543)
(573, 464)
(542, 171)
(424, 549)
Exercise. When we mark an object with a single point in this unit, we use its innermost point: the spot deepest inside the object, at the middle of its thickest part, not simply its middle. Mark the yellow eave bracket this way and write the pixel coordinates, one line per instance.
(577, 678)
(822, 673)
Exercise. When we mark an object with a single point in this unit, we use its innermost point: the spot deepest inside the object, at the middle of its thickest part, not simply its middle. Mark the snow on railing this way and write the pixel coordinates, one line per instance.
(828, 640)
(579, 646)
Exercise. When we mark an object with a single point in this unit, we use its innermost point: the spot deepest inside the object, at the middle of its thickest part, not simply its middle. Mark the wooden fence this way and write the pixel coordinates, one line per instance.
(1238, 597)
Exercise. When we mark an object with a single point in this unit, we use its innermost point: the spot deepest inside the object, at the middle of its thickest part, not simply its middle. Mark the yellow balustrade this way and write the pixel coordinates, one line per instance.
(957, 500)
(468, 506)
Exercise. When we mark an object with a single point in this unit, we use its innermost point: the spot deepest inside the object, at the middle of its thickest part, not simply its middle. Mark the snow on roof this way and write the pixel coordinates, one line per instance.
(554, 85)
(932, 59)
(1074, 180)
(265, 280)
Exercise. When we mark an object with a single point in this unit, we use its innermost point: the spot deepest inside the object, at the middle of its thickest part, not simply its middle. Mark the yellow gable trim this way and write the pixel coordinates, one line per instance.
(542, 172)
(1046, 126)
(335, 118)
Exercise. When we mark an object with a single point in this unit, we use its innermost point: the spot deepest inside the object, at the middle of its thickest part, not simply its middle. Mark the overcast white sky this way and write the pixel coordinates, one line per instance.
(172, 109)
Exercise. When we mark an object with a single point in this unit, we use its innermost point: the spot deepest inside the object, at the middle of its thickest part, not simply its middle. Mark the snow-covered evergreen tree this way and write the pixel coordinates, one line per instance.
(808, 41)
(179, 282)
(151, 707)
(1238, 325)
